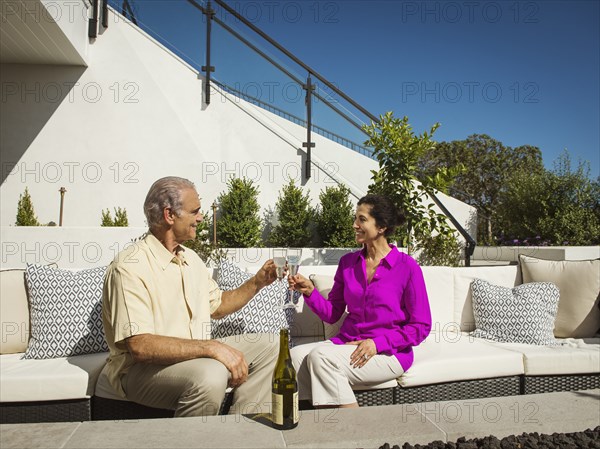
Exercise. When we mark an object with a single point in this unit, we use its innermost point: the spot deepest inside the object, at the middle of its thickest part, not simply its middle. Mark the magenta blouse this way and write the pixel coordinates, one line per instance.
(392, 310)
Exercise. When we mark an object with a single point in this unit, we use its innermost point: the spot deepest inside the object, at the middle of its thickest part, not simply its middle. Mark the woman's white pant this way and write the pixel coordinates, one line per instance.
(326, 376)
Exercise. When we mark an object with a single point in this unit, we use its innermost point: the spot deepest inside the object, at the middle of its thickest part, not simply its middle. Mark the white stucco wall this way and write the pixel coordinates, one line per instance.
(135, 114)
(72, 16)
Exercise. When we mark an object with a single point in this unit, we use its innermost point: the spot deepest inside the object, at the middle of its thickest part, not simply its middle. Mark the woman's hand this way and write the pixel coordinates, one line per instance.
(363, 353)
(301, 284)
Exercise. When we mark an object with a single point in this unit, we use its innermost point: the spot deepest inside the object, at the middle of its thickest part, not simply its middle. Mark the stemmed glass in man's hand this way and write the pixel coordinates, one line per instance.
(293, 263)
(279, 258)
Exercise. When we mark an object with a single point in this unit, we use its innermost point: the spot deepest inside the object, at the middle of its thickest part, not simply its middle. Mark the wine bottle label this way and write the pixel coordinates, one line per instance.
(278, 408)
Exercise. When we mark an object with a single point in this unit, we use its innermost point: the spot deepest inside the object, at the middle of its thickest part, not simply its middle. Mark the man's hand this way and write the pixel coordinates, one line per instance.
(233, 360)
(234, 300)
(267, 274)
(301, 284)
(161, 350)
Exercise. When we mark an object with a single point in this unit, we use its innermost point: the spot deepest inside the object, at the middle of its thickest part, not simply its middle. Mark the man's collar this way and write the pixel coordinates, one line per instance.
(162, 254)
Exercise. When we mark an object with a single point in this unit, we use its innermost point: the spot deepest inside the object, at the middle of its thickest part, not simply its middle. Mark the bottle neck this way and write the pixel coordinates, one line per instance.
(284, 344)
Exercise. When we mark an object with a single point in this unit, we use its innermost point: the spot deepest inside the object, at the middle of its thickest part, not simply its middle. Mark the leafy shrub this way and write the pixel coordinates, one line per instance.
(25, 212)
(559, 207)
(295, 217)
(120, 219)
(335, 218)
(439, 250)
(239, 225)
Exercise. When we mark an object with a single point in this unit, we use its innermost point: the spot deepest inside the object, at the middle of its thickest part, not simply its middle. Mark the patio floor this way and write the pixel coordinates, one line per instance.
(368, 427)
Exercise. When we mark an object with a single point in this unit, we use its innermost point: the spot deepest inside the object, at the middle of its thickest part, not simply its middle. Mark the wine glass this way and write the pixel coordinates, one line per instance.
(293, 263)
(279, 258)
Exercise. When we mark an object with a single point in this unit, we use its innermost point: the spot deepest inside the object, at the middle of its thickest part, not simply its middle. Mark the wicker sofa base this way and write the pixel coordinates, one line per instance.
(375, 397)
(45, 411)
(111, 409)
(107, 409)
(548, 384)
(455, 391)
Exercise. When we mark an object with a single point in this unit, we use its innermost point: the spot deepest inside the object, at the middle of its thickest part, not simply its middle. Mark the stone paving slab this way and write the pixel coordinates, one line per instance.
(34, 436)
(368, 427)
(542, 413)
(208, 432)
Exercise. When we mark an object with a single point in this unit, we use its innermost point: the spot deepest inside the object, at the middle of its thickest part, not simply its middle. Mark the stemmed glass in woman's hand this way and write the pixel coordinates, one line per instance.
(293, 261)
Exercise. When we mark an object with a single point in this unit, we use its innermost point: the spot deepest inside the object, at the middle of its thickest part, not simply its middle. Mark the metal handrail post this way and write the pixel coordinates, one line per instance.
(210, 13)
(309, 144)
(471, 243)
(105, 13)
(93, 21)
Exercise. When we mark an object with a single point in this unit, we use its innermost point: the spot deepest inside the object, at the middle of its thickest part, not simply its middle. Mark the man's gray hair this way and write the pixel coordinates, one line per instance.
(166, 192)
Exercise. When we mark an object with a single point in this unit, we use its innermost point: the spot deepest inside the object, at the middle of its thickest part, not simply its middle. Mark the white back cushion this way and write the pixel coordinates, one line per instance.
(439, 282)
(504, 276)
(14, 312)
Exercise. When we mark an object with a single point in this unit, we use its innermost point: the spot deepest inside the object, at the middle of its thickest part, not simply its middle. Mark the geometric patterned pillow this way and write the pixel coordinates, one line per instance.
(523, 314)
(65, 311)
(260, 315)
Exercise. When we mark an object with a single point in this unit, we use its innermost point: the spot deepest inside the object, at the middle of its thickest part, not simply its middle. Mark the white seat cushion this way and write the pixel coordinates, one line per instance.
(26, 380)
(573, 356)
(451, 357)
(388, 384)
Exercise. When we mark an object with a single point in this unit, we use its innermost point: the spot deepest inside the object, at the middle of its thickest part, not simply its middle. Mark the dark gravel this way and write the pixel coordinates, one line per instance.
(586, 439)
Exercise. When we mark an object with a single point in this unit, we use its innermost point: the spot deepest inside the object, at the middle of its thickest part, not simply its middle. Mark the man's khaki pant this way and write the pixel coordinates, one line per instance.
(197, 387)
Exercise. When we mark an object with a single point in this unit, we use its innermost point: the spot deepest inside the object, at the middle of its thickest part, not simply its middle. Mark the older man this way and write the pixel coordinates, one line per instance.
(157, 303)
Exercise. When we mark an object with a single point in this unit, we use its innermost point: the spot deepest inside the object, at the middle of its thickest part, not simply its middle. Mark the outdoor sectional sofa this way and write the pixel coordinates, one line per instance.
(451, 364)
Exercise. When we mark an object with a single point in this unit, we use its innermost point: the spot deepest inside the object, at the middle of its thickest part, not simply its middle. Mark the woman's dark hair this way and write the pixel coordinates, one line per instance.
(384, 211)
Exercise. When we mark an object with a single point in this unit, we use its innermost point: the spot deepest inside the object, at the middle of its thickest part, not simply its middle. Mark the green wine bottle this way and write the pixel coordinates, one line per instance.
(285, 387)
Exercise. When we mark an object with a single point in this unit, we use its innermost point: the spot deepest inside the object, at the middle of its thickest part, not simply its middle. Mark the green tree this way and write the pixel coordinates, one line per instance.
(490, 164)
(25, 212)
(560, 207)
(120, 219)
(335, 218)
(107, 220)
(239, 225)
(398, 151)
(295, 217)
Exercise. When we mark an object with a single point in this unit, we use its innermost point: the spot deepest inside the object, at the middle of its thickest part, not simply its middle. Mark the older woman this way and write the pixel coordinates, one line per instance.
(388, 313)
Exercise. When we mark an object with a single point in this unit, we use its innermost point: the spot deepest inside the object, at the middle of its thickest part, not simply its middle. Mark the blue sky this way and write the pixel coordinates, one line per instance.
(523, 72)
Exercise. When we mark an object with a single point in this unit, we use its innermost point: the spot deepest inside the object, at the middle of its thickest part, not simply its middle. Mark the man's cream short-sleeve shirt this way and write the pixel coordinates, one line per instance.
(149, 290)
